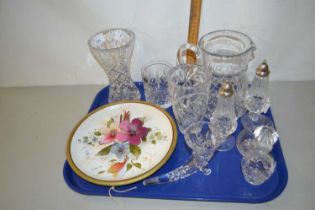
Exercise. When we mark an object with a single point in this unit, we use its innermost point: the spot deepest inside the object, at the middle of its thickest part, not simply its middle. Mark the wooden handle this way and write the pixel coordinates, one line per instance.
(193, 31)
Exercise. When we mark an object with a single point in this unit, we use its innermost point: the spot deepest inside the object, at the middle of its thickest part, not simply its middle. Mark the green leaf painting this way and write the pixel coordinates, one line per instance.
(135, 150)
(104, 151)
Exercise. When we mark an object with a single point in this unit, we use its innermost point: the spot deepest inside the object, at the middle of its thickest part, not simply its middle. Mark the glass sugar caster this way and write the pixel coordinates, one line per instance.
(223, 121)
(257, 99)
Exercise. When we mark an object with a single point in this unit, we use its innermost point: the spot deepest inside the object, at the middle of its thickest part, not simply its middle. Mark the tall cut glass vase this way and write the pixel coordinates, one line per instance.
(113, 49)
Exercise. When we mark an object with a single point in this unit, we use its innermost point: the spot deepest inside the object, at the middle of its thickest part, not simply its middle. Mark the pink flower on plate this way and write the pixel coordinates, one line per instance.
(132, 131)
(109, 133)
(109, 137)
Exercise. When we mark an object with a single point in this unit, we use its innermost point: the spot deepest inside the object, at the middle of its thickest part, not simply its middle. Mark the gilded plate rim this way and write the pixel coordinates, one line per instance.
(129, 180)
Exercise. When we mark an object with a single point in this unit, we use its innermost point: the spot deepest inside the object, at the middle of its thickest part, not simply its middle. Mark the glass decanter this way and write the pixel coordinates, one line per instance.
(257, 99)
(199, 139)
(113, 49)
(223, 121)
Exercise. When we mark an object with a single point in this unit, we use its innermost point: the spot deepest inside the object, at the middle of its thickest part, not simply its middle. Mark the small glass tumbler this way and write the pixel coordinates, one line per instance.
(258, 169)
(155, 77)
(257, 163)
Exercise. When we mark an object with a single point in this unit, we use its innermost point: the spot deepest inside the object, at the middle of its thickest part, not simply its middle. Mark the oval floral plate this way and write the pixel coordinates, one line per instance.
(121, 143)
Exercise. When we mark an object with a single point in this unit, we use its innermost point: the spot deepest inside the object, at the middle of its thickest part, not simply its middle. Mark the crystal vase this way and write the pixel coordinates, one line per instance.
(113, 49)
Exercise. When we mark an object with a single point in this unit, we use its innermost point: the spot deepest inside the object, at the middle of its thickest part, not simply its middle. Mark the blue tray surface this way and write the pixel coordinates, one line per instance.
(226, 183)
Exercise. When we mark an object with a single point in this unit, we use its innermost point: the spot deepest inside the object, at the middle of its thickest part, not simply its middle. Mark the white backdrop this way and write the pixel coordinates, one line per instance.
(44, 42)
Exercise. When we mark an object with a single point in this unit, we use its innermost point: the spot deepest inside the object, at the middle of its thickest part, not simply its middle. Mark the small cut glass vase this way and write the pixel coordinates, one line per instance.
(113, 49)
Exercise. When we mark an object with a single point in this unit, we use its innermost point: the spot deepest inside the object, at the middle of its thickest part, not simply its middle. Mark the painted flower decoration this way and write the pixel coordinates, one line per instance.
(110, 133)
(132, 131)
(109, 137)
(121, 137)
(121, 150)
(116, 167)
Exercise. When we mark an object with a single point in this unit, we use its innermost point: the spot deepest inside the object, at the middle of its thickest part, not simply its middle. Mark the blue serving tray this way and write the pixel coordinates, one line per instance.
(225, 184)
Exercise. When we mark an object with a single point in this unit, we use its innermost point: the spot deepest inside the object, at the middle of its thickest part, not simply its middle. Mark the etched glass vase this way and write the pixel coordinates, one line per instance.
(113, 49)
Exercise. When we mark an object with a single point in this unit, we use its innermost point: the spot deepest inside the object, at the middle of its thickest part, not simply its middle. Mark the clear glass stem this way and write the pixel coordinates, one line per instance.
(253, 116)
(197, 162)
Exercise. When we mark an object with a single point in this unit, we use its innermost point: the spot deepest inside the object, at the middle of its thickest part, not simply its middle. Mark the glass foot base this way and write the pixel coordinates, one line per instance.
(227, 145)
(251, 121)
(206, 171)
